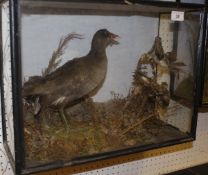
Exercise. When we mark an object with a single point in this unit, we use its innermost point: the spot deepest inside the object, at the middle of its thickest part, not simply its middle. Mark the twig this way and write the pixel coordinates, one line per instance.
(139, 122)
(55, 60)
(139, 113)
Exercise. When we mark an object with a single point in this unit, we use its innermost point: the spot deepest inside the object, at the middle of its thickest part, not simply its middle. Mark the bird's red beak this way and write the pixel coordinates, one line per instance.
(114, 38)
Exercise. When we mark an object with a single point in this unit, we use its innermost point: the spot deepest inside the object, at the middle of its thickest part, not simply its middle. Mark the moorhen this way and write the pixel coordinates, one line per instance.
(76, 80)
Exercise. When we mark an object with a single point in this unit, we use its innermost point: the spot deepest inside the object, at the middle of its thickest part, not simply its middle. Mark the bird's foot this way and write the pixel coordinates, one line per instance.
(38, 123)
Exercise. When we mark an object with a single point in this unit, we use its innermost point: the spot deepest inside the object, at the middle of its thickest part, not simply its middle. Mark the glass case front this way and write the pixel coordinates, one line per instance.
(194, 1)
(102, 80)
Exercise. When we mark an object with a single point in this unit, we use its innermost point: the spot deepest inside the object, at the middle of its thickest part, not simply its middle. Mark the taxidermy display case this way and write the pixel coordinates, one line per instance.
(83, 81)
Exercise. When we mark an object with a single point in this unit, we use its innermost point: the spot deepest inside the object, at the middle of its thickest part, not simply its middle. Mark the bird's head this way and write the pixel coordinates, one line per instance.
(103, 38)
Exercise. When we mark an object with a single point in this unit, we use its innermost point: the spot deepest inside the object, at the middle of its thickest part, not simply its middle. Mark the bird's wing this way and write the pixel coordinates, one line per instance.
(70, 65)
(53, 80)
(75, 79)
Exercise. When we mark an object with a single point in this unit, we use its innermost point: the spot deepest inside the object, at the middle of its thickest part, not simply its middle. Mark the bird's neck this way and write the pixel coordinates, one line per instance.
(98, 51)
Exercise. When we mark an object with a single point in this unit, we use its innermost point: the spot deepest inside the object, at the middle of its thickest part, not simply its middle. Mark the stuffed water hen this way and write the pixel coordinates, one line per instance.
(75, 81)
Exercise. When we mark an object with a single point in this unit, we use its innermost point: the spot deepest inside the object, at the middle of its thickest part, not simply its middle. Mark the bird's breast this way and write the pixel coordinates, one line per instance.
(99, 71)
(96, 76)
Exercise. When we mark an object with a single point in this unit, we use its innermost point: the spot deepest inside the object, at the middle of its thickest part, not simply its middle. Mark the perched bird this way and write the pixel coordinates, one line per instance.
(157, 51)
(76, 80)
(154, 56)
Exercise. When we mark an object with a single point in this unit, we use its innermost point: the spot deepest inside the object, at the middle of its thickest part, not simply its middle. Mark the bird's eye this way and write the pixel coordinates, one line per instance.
(106, 33)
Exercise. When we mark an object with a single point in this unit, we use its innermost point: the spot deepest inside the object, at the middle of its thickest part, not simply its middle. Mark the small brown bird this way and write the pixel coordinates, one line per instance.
(76, 80)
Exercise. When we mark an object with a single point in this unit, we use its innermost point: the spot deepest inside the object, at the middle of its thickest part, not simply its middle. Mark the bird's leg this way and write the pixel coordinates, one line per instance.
(36, 112)
(37, 106)
(62, 113)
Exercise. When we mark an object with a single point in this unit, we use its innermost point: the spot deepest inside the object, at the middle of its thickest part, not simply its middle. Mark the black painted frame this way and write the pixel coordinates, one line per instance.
(15, 34)
(204, 105)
